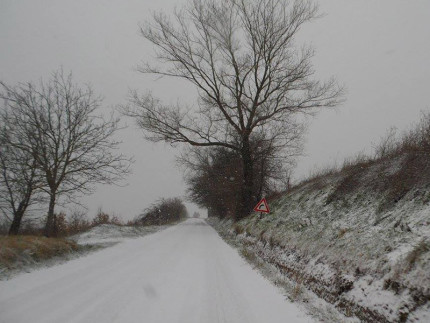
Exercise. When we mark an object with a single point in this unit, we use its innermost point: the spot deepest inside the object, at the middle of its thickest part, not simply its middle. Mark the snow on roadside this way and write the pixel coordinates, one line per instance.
(296, 292)
(98, 237)
(370, 261)
(111, 233)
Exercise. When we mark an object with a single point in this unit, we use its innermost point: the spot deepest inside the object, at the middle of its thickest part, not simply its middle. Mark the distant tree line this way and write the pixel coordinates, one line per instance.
(54, 144)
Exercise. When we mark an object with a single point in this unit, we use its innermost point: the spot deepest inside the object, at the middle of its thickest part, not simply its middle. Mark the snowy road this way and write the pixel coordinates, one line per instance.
(185, 273)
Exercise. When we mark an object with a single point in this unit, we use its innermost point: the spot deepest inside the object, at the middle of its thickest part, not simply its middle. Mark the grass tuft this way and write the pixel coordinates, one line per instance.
(18, 249)
(419, 249)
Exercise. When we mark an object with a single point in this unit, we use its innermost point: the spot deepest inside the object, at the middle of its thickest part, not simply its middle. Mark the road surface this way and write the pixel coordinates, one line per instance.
(185, 273)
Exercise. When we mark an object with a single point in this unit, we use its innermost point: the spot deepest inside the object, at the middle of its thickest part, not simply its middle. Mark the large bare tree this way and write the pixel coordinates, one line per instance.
(72, 145)
(250, 76)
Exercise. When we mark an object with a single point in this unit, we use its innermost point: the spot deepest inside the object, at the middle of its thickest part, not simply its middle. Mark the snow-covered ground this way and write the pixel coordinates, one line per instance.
(111, 233)
(101, 236)
(185, 273)
(358, 239)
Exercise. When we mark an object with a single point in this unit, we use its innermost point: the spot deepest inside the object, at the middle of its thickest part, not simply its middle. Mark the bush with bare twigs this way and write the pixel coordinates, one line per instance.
(163, 211)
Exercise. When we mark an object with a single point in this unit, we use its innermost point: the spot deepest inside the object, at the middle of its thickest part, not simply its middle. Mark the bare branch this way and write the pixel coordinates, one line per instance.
(250, 75)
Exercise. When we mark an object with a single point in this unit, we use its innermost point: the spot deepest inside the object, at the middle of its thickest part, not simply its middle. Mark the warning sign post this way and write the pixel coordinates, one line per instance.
(262, 206)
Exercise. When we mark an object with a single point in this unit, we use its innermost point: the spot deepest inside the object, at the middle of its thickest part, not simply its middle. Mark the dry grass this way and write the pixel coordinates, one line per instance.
(296, 291)
(342, 232)
(317, 179)
(15, 249)
(419, 249)
(238, 228)
(411, 148)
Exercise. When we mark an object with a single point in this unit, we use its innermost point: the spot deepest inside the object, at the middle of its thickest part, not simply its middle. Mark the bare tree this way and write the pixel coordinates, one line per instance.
(73, 147)
(20, 179)
(251, 79)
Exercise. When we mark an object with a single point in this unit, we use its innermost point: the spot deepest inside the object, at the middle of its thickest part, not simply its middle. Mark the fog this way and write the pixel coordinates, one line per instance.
(378, 49)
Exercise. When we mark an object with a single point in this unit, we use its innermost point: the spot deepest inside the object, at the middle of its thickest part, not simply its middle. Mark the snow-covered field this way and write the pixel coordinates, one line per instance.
(185, 273)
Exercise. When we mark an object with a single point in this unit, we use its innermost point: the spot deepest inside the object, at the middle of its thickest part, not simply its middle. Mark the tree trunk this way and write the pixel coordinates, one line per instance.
(247, 199)
(261, 179)
(16, 222)
(50, 226)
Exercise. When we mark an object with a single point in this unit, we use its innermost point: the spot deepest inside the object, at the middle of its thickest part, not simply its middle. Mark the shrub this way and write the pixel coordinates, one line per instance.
(101, 218)
(162, 212)
(78, 222)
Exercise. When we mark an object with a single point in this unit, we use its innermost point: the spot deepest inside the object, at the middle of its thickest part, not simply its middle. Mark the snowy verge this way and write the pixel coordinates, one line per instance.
(98, 237)
(296, 291)
(108, 234)
(359, 238)
(336, 260)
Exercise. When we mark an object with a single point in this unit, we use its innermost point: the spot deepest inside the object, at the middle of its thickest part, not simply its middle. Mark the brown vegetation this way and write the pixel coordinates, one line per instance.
(400, 165)
(164, 211)
(214, 179)
(76, 222)
(14, 249)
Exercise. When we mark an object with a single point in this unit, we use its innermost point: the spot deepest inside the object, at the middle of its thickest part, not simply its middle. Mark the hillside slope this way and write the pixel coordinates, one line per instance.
(359, 238)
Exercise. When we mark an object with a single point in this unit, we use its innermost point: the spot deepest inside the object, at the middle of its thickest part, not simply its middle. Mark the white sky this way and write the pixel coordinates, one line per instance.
(378, 49)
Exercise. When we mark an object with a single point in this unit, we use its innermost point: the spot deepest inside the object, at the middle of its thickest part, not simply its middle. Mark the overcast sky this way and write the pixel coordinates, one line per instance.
(378, 48)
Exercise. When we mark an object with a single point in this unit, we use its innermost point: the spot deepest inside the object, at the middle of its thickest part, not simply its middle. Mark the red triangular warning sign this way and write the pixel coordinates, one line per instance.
(262, 206)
